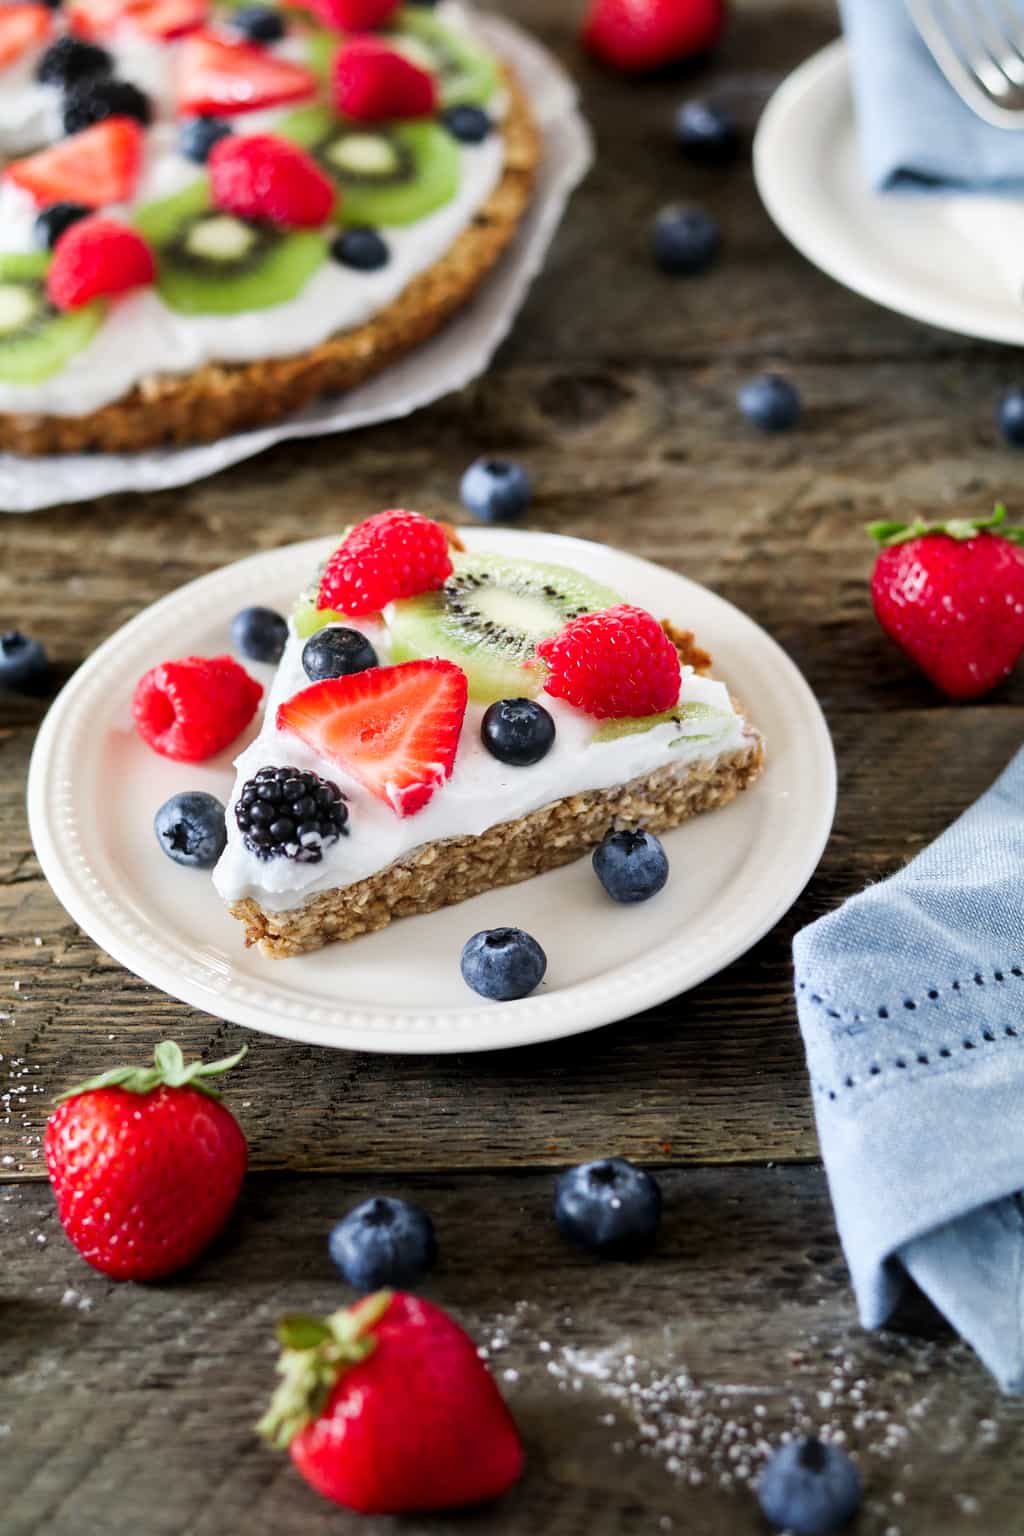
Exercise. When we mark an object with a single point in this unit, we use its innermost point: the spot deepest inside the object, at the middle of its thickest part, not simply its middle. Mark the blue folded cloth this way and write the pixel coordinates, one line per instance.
(915, 132)
(911, 1005)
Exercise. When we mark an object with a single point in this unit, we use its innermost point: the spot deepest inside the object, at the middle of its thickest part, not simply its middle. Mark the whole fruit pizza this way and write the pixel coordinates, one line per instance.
(211, 215)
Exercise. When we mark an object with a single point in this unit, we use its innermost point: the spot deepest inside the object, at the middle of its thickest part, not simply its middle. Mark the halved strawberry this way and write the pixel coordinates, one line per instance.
(395, 729)
(20, 27)
(161, 19)
(100, 165)
(219, 76)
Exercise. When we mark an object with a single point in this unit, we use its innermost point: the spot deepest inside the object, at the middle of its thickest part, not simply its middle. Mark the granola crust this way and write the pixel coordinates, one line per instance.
(218, 399)
(442, 873)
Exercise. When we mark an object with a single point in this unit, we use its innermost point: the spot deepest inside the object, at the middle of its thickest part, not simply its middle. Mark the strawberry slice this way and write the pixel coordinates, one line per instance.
(395, 729)
(219, 76)
(159, 19)
(97, 166)
(20, 27)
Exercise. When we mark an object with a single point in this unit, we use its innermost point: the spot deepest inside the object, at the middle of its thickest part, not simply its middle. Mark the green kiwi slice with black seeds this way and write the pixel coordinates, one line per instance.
(36, 338)
(214, 263)
(389, 173)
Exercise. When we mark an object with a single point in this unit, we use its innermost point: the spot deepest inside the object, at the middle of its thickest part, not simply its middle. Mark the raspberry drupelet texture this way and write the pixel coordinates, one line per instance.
(615, 663)
(392, 555)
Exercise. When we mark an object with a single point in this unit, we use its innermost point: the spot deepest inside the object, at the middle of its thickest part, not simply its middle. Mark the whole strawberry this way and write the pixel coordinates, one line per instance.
(952, 596)
(639, 35)
(146, 1164)
(387, 1408)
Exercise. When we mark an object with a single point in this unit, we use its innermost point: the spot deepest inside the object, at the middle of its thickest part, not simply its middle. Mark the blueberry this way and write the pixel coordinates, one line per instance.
(384, 1243)
(24, 666)
(632, 866)
(94, 100)
(470, 125)
(190, 829)
(198, 135)
(503, 963)
(495, 489)
(337, 652)
(360, 248)
(685, 240)
(68, 60)
(706, 132)
(610, 1207)
(809, 1488)
(1010, 417)
(517, 731)
(259, 634)
(257, 23)
(51, 222)
(770, 402)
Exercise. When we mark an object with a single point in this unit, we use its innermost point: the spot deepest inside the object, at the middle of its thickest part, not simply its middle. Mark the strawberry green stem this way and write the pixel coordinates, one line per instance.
(168, 1071)
(316, 1352)
(959, 528)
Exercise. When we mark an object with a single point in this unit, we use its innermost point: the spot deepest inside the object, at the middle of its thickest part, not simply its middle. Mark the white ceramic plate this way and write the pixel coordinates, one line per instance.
(94, 786)
(912, 254)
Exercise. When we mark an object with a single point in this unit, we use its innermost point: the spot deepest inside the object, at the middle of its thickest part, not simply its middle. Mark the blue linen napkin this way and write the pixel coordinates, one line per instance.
(911, 1006)
(915, 132)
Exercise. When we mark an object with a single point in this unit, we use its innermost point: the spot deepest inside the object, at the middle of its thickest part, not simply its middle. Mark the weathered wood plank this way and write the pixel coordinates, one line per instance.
(129, 1409)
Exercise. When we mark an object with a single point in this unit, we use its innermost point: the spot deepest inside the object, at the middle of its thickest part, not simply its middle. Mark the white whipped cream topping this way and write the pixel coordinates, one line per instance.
(481, 792)
(142, 337)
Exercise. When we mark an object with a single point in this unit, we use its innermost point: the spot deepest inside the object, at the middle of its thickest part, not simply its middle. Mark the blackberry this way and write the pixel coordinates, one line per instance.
(288, 813)
(69, 60)
(92, 101)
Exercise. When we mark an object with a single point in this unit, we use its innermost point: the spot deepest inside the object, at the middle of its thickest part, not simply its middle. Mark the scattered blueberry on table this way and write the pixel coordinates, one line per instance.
(685, 240)
(24, 665)
(361, 248)
(190, 829)
(198, 135)
(517, 731)
(1010, 417)
(384, 1243)
(495, 490)
(259, 634)
(809, 1488)
(769, 402)
(337, 652)
(610, 1207)
(503, 964)
(707, 132)
(632, 866)
(470, 125)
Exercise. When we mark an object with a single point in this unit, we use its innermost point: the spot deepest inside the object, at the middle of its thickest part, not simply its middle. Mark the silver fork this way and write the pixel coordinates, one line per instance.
(979, 46)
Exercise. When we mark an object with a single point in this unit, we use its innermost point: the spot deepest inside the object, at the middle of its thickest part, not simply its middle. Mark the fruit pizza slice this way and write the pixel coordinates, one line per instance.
(483, 718)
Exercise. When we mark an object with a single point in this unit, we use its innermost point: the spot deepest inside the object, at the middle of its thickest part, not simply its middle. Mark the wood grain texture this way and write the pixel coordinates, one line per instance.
(647, 1394)
(616, 389)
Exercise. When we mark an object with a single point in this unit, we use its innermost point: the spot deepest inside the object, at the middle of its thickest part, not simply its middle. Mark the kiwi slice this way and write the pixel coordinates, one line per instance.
(393, 173)
(214, 263)
(36, 338)
(697, 722)
(468, 74)
(489, 616)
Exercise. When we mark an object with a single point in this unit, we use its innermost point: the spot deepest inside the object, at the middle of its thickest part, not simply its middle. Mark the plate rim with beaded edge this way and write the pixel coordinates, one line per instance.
(735, 872)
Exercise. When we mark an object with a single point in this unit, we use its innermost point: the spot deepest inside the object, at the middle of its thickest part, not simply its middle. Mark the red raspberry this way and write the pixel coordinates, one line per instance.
(373, 82)
(392, 555)
(192, 708)
(258, 176)
(612, 664)
(353, 15)
(96, 257)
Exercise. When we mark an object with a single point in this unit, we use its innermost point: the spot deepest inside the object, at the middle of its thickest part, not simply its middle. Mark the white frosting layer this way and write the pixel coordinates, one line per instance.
(142, 336)
(481, 792)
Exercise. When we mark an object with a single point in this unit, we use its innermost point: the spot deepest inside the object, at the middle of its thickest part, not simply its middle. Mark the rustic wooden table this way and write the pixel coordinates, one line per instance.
(647, 1394)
